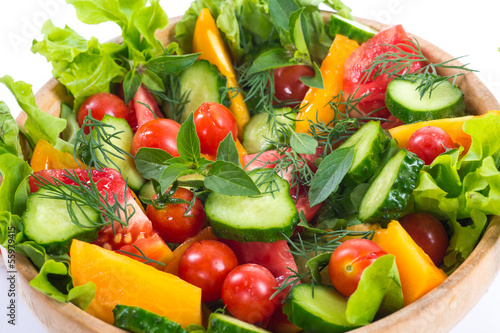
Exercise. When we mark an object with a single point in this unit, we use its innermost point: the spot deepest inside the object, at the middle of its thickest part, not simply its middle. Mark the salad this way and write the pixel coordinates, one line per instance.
(273, 152)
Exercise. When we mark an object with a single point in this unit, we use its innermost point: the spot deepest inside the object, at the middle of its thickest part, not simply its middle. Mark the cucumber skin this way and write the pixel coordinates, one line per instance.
(138, 320)
(401, 112)
(220, 323)
(56, 247)
(338, 26)
(309, 322)
(399, 194)
(222, 229)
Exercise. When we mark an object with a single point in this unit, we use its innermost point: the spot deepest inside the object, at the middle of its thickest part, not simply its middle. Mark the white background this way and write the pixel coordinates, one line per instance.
(460, 27)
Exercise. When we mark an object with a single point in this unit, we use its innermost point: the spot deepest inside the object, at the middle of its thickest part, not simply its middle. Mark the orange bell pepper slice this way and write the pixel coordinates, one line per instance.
(208, 41)
(122, 280)
(315, 106)
(46, 157)
(452, 126)
(418, 273)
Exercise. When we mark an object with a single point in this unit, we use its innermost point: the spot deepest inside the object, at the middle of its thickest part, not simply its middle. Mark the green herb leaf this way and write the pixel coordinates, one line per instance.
(229, 179)
(315, 81)
(171, 173)
(152, 81)
(303, 143)
(299, 36)
(270, 60)
(171, 64)
(330, 173)
(151, 162)
(131, 84)
(280, 11)
(227, 151)
(188, 143)
(317, 263)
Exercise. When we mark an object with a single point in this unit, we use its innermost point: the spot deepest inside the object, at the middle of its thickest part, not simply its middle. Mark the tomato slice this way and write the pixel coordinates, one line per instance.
(110, 184)
(373, 90)
(139, 111)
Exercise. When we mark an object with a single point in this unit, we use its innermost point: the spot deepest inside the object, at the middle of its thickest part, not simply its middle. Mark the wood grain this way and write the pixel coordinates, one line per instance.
(438, 311)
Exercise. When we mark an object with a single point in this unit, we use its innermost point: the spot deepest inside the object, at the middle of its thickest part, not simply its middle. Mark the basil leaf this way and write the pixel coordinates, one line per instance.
(269, 60)
(299, 36)
(151, 162)
(188, 143)
(330, 173)
(131, 84)
(152, 80)
(229, 179)
(315, 81)
(171, 173)
(280, 11)
(227, 151)
(317, 263)
(171, 64)
(303, 143)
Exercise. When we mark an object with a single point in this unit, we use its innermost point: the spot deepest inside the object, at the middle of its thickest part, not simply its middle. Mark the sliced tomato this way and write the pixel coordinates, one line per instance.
(373, 89)
(139, 232)
(140, 106)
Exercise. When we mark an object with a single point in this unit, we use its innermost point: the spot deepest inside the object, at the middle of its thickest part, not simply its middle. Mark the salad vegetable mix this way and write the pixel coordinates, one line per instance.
(272, 168)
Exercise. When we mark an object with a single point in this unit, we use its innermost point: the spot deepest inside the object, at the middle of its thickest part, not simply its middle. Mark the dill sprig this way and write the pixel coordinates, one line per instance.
(398, 63)
(99, 141)
(142, 256)
(85, 194)
(175, 98)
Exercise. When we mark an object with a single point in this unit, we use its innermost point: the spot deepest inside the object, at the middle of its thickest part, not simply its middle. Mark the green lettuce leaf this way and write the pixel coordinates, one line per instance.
(14, 188)
(39, 125)
(10, 229)
(55, 281)
(9, 132)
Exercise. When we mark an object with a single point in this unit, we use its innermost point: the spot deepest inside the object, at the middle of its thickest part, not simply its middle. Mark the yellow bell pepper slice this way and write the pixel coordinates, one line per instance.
(418, 273)
(46, 157)
(315, 105)
(122, 280)
(208, 41)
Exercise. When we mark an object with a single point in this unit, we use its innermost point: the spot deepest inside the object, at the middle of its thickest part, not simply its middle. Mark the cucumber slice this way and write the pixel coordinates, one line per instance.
(263, 128)
(266, 218)
(404, 102)
(370, 143)
(138, 320)
(125, 164)
(388, 195)
(218, 323)
(325, 312)
(203, 82)
(351, 29)
(48, 223)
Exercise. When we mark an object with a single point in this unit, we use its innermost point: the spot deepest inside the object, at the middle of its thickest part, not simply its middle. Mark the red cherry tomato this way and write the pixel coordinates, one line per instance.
(213, 123)
(349, 260)
(158, 133)
(206, 264)
(287, 84)
(428, 233)
(373, 89)
(246, 292)
(101, 104)
(171, 222)
(429, 142)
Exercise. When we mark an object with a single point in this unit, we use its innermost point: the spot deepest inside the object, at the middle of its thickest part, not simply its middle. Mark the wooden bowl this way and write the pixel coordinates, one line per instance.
(439, 310)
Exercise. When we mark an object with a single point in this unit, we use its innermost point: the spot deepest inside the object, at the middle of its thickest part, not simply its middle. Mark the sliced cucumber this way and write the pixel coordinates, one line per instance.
(404, 102)
(325, 312)
(370, 143)
(124, 163)
(220, 323)
(351, 29)
(47, 222)
(267, 218)
(138, 320)
(388, 195)
(264, 128)
(203, 82)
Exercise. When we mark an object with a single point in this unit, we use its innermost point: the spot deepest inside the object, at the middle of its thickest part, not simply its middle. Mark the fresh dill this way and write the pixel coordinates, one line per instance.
(84, 193)
(175, 98)
(402, 59)
(142, 256)
(97, 148)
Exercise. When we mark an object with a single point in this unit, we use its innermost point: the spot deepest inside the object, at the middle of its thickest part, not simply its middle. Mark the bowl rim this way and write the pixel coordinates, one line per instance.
(475, 274)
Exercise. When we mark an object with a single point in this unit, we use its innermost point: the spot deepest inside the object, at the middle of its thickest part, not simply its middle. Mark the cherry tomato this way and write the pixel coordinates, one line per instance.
(429, 142)
(213, 123)
(101, 104)
(206, 264)
(428, 233)
(372, 90)
(171, 222)
(247, 292)
(158, 133)
(349, 260)
(287, 84)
